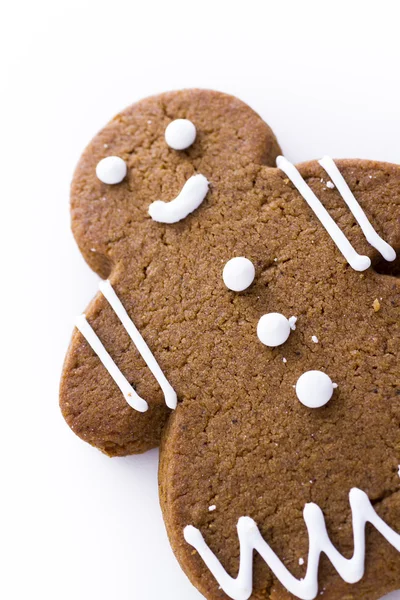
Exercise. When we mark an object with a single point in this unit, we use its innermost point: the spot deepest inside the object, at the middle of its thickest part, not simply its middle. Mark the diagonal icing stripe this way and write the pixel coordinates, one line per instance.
(132, 398)
(145, 352)
(371, 235)
(359, 262)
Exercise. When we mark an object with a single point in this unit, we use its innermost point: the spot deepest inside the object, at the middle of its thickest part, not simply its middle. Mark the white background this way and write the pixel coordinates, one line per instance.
(325, 76)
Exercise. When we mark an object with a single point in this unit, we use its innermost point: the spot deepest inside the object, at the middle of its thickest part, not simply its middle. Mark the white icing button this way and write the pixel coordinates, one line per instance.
(111, 170)
(180, 134)
(314, 389)
(273, 329)
(238, 274)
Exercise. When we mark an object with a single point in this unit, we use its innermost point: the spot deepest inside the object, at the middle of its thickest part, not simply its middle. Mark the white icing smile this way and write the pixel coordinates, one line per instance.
(189, 198)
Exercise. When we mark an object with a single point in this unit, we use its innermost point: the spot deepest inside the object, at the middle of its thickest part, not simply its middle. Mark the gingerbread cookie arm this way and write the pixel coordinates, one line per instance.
(110, 391)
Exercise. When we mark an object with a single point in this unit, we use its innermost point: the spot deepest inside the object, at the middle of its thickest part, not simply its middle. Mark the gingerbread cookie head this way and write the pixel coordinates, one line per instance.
(252, 318)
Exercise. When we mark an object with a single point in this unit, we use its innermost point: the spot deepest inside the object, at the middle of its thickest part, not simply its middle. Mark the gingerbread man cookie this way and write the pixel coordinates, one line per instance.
(249, 320)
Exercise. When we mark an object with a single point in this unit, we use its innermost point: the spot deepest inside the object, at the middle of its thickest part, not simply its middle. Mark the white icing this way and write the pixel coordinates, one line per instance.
(371, 235)
(180, 134)
(273, 329)
(132, 398)
(238, 273)
(111, 170)
(212, 507)
(314, 389)
(292, 323)
(350, 570)
(190, 197)
(145, 352)
(301, 561)
(314, 339)
(355, 260)
(330, 185)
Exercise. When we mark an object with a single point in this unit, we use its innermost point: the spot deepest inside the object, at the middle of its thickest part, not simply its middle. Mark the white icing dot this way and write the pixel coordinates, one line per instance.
(314, 339)
(180, 134)
(330, 185)
(273, 329)
(212, 507)
(238, 274)
(111, 170)
(314, 389)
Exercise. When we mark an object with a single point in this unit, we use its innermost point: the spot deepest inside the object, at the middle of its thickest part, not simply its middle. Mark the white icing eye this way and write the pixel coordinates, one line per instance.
(180, 134)
(111, 170)
(273, 329)
(238, 274)
(314, 389)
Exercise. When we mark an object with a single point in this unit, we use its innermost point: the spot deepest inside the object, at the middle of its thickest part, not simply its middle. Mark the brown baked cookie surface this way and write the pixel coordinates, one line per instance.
(240, 443)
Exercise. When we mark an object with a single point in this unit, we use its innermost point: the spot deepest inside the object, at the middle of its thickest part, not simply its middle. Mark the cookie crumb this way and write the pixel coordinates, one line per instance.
(376, 305)
(314, 339)
(330, 185)
(212, 507)
(301, 561)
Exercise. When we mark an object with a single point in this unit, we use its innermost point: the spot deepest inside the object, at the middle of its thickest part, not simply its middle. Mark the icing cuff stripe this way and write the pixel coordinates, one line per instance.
(132, 398)
(351, 570)
(372, 236)
(355, 260)
(145, 352)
